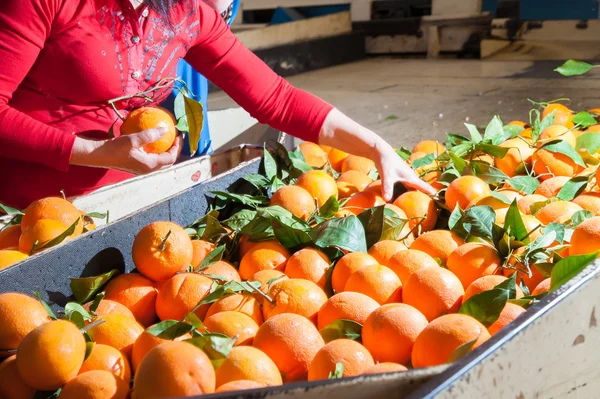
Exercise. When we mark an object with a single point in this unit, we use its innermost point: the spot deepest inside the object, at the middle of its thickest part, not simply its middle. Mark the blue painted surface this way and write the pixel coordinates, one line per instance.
(490, 6)
(283, 14)
(198, 84)
(559, 9)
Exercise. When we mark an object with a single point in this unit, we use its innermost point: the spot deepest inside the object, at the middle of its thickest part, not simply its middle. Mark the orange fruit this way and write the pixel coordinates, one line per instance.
(222, 269)
(531, 224)
(319, 185)
(9, 236)
(200, 249)
(145, 343)
(525, 203)
(465, 190)
(377, 282)
(363, 200)
(309, 264)
(292, 342)
(248, 363)
(296, 200)
(429, 146)
(40, 233)
(405, 263)
(356, 178)
(593, 129)
(589, 202)
(483, 157)
(264, 277)
(438, 244)
(526, 133)
(542, 287)
(19, 315)
(88, 222)
(107, 358)
(106, 306)
(245, 245)
(496, 203)
(473, 260)
(558, 212)
(180, 295)
(550, 187)
(145, 118)
(51, 355)
(389, 333)
(295, 295)
(9, 257)
(501, 216)
(432, 178)
(486, 283)
(517, 157)
(52, 208)
(353, 356)
(508, 314)
(239, 385)
(233, 324)
(162, 249)
(556, 132)
(586, 237)
(174, 369)
(383, 251)
(518, 123)
(336, 158)
(420, 208)
(360, 164)
(346, 306)
(374, 187)
(117, 331)
(266, 255)
(135, 292)
(346, 190)
(562, 115)
(11, 383)
(347, 265)
(342, 213)
(385, 367)
(443, 336)
(243, 303)
(97, 384)
(433, 291)
(547, 164)
(314, 155)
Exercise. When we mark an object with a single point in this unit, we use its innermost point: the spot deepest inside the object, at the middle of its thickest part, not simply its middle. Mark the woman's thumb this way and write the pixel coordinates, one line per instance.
(147, 136)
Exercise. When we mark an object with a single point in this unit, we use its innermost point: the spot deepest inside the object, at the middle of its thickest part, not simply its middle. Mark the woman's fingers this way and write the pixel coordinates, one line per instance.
(146, 137)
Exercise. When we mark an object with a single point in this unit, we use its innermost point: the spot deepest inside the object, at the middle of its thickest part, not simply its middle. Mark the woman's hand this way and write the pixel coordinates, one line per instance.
(125, 153)
(343, 133)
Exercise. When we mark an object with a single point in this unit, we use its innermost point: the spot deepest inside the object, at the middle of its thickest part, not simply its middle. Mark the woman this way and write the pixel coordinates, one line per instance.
(63, 60)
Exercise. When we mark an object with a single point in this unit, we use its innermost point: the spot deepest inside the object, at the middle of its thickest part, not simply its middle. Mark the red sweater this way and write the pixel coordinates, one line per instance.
(62, 60)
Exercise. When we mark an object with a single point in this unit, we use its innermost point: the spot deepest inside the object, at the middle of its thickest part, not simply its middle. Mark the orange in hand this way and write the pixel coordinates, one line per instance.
(145, 118)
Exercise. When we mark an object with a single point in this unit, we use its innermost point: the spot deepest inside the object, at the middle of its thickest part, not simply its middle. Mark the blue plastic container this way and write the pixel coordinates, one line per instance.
(545, 10)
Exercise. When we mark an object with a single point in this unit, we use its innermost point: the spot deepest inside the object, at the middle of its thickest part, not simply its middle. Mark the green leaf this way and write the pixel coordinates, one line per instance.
(372, 221)
(67, 233)
(423, 161)
(194, 320)
(291, 235)
(459, 163)
(589, 141)
(346, 233)
(96, 302)
(328, 285)
(547, 121)
(330, 207)
(562, 147)
(96, 215)
(455, 218)
(487, 306)
(111, 129)
(212, 257)
(258, 181)
(230, 287)
(84, 288)
(494, 132)
(574, 68)
(216, 346)
(245, 199)
(240, 219)
(462, 350)
(584, 119)
(501, 197)
(46, 306)
(77, 314)
(47, 394)
(486, 172)
(573, 188)
(89, 348)
(475, 135)
(524, 184)
(337, 373)
(392, 225)
(403, 153)
(194, 115)
(213, 230)
(269, 164)
(514, 223)
(494, 150)
(170, 329)
(179, 106)
(568, 268)
(478, 221)
(342, 329)
(580, 217)
(558, 229)
(512, 131)
(537, 206)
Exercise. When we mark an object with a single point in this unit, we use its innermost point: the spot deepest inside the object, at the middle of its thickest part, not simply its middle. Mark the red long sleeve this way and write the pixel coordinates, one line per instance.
(26, 25)
(269, 98)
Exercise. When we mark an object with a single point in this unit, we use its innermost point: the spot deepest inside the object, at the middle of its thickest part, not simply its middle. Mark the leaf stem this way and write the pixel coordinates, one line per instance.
(92, 325)
(259, 292)
(163, 244)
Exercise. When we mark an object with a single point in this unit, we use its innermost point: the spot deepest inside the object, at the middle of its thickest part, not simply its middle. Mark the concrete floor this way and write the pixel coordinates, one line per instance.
(406, 100)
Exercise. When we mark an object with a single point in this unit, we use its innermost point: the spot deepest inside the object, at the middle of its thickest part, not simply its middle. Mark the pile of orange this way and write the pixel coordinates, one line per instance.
(399, 305)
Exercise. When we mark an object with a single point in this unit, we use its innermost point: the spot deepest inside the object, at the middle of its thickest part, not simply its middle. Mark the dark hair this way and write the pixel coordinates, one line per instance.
(163, 6)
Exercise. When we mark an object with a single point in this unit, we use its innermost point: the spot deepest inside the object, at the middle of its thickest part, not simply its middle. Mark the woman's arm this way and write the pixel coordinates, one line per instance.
(220, 57)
